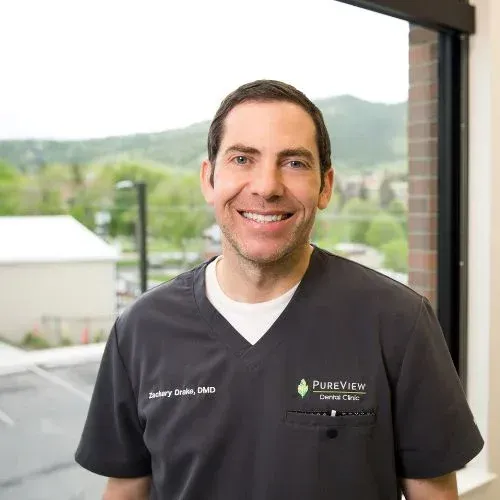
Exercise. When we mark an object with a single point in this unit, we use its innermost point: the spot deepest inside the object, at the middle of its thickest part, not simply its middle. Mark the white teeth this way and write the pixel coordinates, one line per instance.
(263, 218)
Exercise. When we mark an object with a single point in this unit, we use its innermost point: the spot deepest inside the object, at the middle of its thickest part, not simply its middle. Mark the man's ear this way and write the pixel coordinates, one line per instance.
(326, 192)
(206, 181)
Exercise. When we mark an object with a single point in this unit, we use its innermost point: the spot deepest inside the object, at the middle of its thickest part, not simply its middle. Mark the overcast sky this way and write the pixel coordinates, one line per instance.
(92, 68)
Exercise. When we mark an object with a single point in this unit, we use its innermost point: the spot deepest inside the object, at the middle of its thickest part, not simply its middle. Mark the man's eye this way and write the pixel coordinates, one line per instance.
(241, 160)
(296, 164)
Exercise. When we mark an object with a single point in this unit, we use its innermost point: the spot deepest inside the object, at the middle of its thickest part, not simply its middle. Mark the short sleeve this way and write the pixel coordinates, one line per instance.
(112, 439)
(435, 430)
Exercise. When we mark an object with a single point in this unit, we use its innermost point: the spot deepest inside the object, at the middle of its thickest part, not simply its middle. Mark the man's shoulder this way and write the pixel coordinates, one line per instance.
(361, 284)
(172, 297)
(384, 306)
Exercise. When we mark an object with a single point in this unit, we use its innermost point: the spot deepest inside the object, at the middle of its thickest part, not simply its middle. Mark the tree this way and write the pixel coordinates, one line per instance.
(398, 210)
(178, 211)
(77, 175)
(51, 181)
(338, 199)
(10, 189)
(111, 173)
(51, 203)
(359, 214)
(396, 255)
(124, 205)
(363, 191)
(330, 229)
(383, 229)
(386, 193)
(86, 202)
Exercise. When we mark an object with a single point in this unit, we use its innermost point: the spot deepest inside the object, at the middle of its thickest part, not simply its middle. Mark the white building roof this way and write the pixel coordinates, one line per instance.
(213, 233)
(51, 238)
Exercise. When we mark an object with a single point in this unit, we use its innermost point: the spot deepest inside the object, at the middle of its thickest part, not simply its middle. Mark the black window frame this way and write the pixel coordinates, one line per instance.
(443, 15)
(454, 20)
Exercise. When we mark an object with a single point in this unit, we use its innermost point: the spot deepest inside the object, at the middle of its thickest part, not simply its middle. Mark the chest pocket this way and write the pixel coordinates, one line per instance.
(345, 451)
(331, 419)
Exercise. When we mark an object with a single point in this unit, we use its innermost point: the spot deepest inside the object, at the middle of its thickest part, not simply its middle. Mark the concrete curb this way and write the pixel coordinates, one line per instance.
(14, 360)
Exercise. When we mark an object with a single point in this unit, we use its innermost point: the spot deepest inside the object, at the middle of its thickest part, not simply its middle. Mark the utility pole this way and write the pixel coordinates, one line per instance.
(143, 256)
(142, 231)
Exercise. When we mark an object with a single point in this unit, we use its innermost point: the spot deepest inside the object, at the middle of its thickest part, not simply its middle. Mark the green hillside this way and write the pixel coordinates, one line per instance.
(363, 135)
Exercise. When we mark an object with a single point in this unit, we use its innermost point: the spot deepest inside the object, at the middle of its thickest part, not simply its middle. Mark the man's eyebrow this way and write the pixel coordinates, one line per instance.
(302, 152)
(285, 153)
(241, 148)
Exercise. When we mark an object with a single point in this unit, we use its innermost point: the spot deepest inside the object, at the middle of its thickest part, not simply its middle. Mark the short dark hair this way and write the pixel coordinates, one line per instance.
(268, 91)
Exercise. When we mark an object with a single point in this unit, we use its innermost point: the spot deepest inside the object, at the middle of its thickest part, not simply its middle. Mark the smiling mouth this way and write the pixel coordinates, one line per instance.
(267, 218)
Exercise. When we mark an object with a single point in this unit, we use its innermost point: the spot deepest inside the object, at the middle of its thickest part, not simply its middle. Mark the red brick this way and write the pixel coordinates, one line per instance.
(424, 260)
(419, 35)
(423, 280)
(423, 111)
(423, 167)
(422, 186)
(422, 241)
(423, 130)
(418, 54)
(423, 53)
(420, 73)
(433, 204)
(422, 149)
(418, 204)
(418, 223)
(423, 92)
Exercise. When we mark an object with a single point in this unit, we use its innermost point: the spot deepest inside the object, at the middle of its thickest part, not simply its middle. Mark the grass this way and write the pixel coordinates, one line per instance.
(161, 276)
(128, 244)
(127, 263)
(161, 246)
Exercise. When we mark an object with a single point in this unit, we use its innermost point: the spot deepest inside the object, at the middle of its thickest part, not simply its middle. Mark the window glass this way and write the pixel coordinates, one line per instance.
(98, 97)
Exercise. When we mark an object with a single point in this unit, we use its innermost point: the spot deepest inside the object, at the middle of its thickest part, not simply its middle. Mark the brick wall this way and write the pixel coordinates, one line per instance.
(423, 161)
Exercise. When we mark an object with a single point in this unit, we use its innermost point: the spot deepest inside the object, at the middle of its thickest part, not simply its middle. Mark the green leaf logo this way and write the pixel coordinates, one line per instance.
(303, 388)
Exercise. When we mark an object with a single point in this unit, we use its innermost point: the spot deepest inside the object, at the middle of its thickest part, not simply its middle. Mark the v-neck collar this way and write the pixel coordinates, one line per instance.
(285, 325)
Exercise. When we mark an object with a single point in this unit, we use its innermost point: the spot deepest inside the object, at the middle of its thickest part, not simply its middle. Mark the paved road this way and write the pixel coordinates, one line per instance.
(41, 418)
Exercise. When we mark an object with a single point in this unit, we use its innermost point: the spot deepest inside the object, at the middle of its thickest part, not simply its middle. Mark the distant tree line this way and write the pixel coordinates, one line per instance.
(177, 211)
(379, 221)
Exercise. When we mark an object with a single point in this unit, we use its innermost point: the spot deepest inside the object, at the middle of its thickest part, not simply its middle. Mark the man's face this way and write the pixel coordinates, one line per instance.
(267, 180)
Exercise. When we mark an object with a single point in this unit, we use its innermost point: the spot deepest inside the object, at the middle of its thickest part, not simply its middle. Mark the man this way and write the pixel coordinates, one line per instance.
(276, 371)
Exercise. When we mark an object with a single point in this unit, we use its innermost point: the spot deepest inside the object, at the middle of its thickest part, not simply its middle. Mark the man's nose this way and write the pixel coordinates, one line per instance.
(267, 181)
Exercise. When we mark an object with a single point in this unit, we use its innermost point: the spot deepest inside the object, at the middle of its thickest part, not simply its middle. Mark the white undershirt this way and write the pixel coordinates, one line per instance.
(251, 321)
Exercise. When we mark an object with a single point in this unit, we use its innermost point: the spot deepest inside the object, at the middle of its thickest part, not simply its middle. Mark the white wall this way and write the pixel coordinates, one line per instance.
(30, 291)
(484, 242)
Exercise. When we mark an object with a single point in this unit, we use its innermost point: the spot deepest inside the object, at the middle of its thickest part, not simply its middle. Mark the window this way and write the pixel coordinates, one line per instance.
(384, 214)
(102, 99)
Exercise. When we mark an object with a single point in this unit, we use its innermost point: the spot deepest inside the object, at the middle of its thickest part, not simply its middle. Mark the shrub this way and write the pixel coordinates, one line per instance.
(359, 215)
(396, 255)
(34, 341)
(383, 229)
(398, 209)
(99, 337)
(65, 341)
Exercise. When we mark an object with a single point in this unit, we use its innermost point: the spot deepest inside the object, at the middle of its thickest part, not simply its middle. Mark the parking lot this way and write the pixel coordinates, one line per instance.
(42, 411)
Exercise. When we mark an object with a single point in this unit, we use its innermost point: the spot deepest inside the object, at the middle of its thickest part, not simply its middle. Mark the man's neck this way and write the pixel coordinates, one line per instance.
(244, 281)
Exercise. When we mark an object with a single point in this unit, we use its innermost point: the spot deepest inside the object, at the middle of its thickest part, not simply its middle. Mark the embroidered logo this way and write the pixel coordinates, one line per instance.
(335, 390)
(302, 388)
